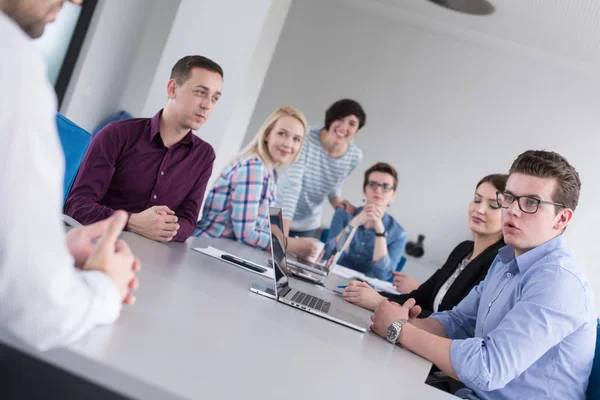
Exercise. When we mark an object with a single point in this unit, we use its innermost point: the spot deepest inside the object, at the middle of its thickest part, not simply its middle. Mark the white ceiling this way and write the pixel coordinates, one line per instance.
(564, 29)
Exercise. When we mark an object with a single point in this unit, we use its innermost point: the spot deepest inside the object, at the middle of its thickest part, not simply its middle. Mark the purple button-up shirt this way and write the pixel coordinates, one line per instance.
(128, 167)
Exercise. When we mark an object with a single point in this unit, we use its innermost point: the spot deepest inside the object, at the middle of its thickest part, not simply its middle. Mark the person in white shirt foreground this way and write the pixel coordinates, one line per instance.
(53, 288)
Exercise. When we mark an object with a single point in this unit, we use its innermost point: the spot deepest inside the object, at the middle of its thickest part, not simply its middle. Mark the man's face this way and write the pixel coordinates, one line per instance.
(196, 98)
(33, 15)
(525, 231)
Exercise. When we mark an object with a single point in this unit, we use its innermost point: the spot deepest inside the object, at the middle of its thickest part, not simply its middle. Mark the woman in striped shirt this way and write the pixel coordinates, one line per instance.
(327, 157)
(237, 206)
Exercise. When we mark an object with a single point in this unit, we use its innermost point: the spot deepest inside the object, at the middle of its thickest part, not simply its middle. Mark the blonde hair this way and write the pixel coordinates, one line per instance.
(258, 145)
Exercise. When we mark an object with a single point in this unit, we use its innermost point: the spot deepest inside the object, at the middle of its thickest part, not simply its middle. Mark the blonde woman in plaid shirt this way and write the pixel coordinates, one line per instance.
(237, 206)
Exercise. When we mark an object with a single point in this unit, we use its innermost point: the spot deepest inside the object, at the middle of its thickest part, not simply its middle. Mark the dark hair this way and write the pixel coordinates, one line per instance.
(182, 68)
(548, 164)
(341, 109)
(497, 180)
(381, 167)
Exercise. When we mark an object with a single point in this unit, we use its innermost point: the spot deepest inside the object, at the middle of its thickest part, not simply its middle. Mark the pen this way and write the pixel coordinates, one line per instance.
(345, 286)
(336, 292)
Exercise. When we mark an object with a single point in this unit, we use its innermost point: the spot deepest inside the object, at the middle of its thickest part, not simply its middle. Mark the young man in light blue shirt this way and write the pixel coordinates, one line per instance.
(528, 331)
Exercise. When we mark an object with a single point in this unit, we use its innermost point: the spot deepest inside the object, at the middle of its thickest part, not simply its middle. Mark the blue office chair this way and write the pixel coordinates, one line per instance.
(401, 264)
(398, 267)
(115, 117)
(75, 141)
(593, 390)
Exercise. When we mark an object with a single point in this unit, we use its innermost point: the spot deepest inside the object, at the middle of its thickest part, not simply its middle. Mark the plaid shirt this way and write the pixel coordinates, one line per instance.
(237, 206)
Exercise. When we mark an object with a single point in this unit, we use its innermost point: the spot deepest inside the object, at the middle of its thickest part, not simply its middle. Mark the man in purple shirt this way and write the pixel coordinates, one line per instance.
(155, 168)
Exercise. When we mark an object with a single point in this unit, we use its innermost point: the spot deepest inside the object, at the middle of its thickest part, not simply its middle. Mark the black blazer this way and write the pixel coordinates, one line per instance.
(473, 273)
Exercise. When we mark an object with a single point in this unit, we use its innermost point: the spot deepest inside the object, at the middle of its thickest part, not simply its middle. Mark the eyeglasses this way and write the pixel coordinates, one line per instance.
(376, 185)
(529, 205)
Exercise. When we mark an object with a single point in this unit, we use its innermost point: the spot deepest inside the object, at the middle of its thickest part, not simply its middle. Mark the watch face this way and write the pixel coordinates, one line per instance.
(391, 333)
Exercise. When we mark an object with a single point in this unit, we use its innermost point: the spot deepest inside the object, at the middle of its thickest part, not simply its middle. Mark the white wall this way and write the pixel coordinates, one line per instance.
(241, 37)
(109, 51)
(131, 47)
(251, 86)
(444, 110)
(147, 55)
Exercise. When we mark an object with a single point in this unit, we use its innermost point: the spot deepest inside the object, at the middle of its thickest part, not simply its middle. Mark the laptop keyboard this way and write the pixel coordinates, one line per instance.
(311, 302)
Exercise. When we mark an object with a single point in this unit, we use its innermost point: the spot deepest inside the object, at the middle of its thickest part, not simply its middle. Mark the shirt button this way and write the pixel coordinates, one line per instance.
(508, 275)
(162, 173)
(154, 197)
(489, 305)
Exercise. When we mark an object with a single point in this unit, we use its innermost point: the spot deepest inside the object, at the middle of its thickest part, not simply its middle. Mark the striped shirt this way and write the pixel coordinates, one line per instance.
(305, 185)
(237, 206)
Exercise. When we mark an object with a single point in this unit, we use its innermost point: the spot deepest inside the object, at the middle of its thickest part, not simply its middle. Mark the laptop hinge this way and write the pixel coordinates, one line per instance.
(284, 292)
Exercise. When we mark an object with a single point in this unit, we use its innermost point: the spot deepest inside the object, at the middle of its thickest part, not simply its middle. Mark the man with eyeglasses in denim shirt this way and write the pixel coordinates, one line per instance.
(528, 331)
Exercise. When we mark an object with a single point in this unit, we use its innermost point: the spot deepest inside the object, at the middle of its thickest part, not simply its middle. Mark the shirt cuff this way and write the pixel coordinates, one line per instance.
(467, 360)
(381, 268)
(446, 321)
(106, 305)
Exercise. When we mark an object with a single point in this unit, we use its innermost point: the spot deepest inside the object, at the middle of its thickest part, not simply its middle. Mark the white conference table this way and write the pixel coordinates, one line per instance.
(197, 332)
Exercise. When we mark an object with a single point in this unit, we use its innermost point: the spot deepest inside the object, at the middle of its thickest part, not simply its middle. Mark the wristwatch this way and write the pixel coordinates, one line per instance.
(394, 329)
(382, 234)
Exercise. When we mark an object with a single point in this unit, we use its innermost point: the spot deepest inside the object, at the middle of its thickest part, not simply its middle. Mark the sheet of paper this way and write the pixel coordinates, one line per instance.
(346, 273)
(378, 284)
(383, 286)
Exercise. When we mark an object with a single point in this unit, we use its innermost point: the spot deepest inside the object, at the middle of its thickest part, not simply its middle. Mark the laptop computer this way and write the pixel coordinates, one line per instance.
(323, 267)
(304, 296)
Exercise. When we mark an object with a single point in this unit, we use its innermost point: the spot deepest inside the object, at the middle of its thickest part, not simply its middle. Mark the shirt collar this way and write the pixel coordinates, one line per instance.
(155, 130)
(155, 125)
(525, 261)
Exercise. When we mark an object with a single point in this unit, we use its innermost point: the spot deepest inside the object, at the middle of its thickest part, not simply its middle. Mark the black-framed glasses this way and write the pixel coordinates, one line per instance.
(529, 205)
(385, 186)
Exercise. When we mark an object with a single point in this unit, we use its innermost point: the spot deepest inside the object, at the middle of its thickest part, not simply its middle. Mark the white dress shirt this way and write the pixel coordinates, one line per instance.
(44, 300)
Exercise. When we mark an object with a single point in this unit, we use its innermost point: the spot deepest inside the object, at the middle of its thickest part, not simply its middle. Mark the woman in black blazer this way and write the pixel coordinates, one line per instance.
(466, 266)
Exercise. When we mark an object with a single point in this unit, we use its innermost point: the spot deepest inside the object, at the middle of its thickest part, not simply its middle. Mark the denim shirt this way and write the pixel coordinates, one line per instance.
(359, 255)
(528, 330)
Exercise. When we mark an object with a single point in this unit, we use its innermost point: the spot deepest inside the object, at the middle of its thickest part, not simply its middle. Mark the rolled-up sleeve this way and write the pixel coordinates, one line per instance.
(553, 297)
(383, 267)
(250, 184)
(459, 323)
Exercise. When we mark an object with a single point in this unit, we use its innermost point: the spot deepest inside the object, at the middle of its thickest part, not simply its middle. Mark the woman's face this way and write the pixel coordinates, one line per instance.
(343, 130)
(285, 140)
(380, 189)
(484, 212)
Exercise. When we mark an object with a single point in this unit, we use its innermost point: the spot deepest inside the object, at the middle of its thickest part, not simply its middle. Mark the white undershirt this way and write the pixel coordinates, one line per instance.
(439, 297)
(44, 300)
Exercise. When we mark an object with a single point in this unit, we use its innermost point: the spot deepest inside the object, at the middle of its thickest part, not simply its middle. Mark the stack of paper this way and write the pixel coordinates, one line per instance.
(378, 284)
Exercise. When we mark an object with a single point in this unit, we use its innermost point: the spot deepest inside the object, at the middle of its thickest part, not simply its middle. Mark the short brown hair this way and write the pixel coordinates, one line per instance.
(548, 164)
(497, 180)
(182, 68)
(381, 167)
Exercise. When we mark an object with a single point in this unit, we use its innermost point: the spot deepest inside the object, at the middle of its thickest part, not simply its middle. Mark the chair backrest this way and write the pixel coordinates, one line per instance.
(401, 264)
(75, 141)
(115, 117)
(593, 391)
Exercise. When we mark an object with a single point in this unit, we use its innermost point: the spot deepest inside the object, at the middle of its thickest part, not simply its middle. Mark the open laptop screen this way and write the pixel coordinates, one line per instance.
(278, 249)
